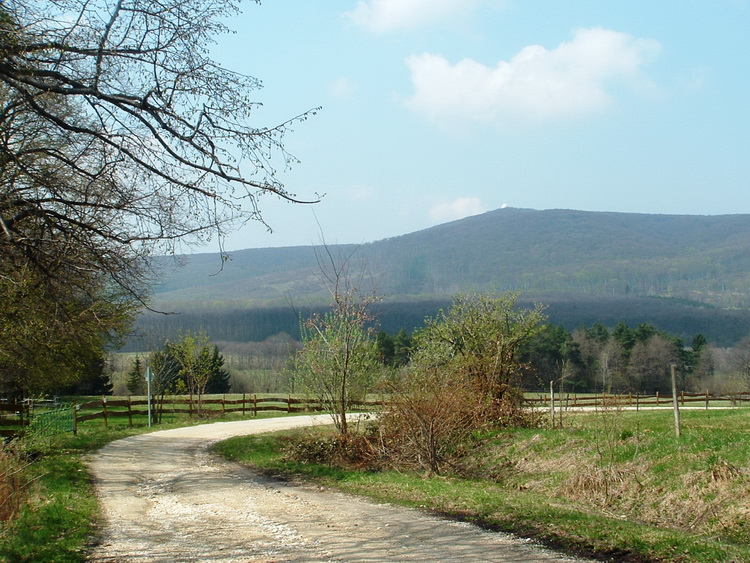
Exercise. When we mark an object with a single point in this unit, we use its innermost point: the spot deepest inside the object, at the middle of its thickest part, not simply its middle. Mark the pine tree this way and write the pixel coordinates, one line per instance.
(219, 380)
(136, 382)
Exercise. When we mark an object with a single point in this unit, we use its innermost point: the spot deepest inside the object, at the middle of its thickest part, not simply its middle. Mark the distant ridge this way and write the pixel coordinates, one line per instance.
(699, 259)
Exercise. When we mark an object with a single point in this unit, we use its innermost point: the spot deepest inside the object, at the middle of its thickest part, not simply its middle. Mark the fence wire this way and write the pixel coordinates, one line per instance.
(55, 421)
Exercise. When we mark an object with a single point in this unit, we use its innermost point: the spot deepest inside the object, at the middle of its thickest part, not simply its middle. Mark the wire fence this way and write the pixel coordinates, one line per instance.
(58, 420)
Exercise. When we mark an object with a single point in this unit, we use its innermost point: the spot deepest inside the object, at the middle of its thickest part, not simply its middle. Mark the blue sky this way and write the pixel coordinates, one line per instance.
(433, 110)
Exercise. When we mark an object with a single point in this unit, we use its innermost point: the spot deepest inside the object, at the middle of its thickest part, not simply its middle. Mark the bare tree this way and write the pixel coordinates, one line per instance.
(339, 360)
(147, 140)
(119, 139)
(648, 368)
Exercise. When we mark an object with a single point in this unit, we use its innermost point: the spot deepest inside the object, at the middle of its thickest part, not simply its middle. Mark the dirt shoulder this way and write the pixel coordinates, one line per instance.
(166, 498)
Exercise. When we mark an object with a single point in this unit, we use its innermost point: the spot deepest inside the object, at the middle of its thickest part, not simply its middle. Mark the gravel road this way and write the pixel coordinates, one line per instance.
(166, 498)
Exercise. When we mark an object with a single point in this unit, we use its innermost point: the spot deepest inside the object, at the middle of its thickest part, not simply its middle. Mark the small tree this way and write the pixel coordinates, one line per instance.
(136, 382)
(195, 357)
(190, 364)
(165, 372)
(339, 359)
(218, 381)
(402, 345)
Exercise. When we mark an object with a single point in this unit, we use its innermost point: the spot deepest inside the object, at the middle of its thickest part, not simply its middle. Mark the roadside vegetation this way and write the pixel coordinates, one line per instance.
(48, 508)
(55, 508)
(615, 485)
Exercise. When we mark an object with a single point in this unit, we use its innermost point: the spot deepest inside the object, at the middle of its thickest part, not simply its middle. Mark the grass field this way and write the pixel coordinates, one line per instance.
(613, 484)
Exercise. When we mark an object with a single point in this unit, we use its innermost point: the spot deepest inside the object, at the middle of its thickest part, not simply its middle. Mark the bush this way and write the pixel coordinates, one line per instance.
(351, 450)
(432, 415)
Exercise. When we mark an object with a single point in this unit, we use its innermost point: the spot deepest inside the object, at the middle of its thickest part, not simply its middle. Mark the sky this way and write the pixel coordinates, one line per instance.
(435, 110)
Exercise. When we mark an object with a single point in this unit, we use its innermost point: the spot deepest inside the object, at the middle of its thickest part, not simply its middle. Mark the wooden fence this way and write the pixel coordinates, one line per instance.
(249, 405)
(13, 418)
(16, 417)
(636, 400)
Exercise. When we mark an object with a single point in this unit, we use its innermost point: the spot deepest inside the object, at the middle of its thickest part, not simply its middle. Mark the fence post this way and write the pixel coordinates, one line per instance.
(706, 399)
(288, 403)
(255, 405)
(657, 398)
(243, 405)
(637, 401)
(104, 411)
(130, 413)
(675, 405)
(75, 417)
(552, 403)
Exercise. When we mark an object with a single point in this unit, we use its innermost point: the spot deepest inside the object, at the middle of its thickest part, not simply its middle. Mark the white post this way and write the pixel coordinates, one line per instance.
(148, 393)
(552, 403)
(675, 403)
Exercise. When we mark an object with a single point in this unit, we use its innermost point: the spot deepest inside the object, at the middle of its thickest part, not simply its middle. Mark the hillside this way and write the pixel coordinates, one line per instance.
(702, 259)
(684, 274)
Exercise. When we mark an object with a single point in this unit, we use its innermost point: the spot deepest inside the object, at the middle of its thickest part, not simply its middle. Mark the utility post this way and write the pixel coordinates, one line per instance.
(148, 393)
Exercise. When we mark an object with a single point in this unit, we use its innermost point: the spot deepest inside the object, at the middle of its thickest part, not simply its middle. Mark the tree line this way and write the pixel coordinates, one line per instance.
(720, 327)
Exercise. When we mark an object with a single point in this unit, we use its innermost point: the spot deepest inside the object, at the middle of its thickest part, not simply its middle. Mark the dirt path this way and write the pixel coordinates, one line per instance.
(166, 498)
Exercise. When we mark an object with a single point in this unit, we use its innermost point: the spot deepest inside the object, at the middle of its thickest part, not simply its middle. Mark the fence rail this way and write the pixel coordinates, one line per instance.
(50, 417)
(19, 417)
(14, 416)
(637, 400)
(248, 405)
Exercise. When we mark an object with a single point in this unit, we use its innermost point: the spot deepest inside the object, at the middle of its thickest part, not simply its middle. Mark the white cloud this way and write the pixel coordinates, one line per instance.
(383, 16)
(456, 209)
(536, 84)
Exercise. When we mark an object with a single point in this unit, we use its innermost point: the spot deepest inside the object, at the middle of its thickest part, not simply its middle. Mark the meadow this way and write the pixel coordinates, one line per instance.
(611, 484)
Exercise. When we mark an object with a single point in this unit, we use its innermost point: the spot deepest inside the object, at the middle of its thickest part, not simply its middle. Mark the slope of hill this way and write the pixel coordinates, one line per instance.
(702, 259)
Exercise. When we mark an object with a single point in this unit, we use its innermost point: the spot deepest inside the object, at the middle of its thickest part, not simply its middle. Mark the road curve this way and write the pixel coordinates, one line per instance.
(166, 498)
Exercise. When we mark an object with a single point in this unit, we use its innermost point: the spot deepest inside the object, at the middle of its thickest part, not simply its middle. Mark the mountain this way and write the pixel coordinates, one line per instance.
(684, 274)
(701, 259)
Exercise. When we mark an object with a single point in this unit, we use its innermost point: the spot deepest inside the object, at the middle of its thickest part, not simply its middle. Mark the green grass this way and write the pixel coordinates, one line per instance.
(617, 485)
(60, 515)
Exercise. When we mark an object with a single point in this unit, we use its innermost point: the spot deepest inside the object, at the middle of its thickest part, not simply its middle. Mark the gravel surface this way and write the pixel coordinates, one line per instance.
(166, 498)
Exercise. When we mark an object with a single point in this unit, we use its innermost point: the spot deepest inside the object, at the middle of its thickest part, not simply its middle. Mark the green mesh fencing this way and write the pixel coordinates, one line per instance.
(54, 421)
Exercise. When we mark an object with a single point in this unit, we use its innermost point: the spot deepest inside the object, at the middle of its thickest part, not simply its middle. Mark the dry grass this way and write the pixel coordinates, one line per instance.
(640, 473)
(12, 483)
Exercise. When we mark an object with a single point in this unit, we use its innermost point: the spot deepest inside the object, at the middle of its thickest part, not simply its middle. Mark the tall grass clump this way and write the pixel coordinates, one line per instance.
(13, 481)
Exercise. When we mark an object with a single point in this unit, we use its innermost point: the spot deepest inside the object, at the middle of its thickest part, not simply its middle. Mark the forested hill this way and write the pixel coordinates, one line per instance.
(697, 258)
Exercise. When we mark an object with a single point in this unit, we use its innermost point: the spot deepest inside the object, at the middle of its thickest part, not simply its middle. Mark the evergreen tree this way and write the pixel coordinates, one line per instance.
(93, 380)
(218, 382)
(385, 347)
(402, 346)
(136, 383)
